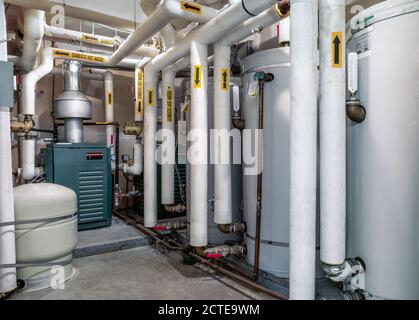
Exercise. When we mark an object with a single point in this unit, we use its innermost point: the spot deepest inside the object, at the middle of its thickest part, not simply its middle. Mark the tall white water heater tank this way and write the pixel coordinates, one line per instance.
(383, 150)
(274, 246)
(46, 233)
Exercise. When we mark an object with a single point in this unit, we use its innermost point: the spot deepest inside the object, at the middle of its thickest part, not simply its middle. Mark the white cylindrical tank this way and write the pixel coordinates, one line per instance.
(383, 150)
(274, 246)
(46, 233)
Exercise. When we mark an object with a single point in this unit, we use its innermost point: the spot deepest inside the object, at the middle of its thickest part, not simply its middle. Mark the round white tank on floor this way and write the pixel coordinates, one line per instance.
(46, 233)
(383, 151)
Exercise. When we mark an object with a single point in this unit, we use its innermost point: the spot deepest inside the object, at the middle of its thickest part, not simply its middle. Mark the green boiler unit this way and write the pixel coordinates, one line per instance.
(86, 169)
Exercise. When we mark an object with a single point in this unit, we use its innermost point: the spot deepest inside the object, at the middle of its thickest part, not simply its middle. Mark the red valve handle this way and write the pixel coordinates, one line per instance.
(214, 255)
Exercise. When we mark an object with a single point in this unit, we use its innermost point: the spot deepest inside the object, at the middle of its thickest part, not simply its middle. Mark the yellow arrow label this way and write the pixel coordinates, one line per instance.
(337, 48)
(77, 56)
(110, 98)
(92, 39)
(169, 104)
(140, 91)
(190, 7)
(150, 97)
(197, 76)
(224, 79)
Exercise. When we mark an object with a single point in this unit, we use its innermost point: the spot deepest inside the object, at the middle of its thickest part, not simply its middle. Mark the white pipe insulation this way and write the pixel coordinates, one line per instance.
(198, 134)
(222, 123)
(31, 79)
(33, 33)
(303, 144)
(167, 11)
(109, 114)
(168, 138)
(332, 132)
(137, 167)
(7, 233)
(222, 109)
(209, 33)
(97, 40)
(29, 171)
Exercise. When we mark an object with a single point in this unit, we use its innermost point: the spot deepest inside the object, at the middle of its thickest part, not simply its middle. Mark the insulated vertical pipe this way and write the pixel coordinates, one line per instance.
(139, 103)
(7, 233)
(109, 114)
(303, 144)
(32, 39)
(211, 32)
(198, 151)
(222, 125)
(332, 132)
(150, 164)
(29, 171)
(169, 150)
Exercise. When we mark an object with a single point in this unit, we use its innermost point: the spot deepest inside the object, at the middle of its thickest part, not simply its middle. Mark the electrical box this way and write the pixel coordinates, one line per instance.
(6, 88)
(86, 169)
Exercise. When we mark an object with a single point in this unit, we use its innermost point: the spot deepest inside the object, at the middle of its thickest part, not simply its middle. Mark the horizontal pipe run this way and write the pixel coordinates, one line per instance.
(168, 10)
(98, 41)
(172, 244)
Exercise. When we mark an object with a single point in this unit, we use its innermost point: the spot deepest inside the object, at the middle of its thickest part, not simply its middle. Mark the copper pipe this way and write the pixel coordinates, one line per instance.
(263, 78)
(176, 246)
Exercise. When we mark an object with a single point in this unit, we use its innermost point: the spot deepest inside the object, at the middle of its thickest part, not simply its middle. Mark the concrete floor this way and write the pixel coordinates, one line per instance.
(119, 236)
(142, 273)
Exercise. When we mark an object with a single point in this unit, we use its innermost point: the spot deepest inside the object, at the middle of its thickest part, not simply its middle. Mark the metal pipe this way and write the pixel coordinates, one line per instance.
(176, 246)
(262, 78)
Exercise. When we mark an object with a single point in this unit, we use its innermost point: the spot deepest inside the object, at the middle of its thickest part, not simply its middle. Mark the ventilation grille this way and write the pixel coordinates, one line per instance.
(91, 196)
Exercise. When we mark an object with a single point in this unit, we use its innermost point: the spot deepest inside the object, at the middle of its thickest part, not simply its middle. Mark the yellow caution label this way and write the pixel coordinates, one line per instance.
(150, 97)
(224, 79)
(107, 42)
(169, 104)
(191, 7)
(140, 91)
(66, 54)
(337, 48)
(197, 76)
(95, 40)
(109, 98)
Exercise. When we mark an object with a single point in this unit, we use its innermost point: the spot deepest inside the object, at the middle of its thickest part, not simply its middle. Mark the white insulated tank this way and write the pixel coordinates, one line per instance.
(46, 233)
(383, 150)
(274, 246)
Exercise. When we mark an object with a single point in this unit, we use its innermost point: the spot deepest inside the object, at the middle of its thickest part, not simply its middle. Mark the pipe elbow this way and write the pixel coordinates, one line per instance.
(283, 8)
(224, 228)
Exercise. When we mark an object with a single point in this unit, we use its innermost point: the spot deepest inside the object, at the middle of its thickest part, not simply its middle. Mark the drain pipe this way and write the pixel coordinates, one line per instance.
(32, 40)
(222, 109)
(109, 115)
(209, 33)
(199, 137)
(7, 233)
(303, 184)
